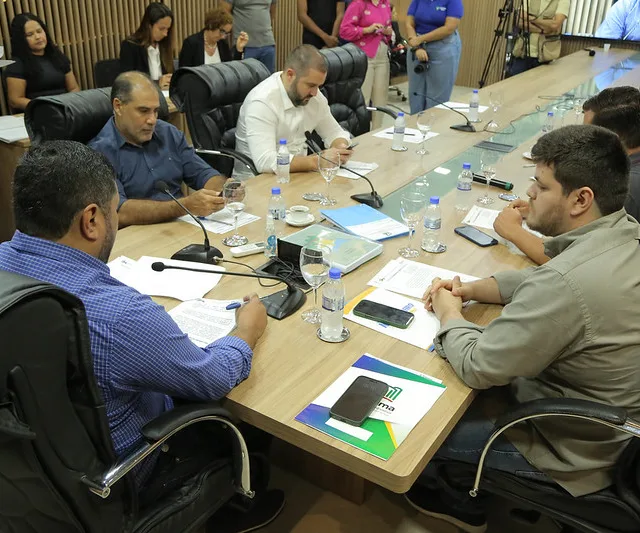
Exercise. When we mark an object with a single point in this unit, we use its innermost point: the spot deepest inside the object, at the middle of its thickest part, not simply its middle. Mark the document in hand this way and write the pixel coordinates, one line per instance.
(366, 222)
(204, 321)
(410, 395)
(420, 332)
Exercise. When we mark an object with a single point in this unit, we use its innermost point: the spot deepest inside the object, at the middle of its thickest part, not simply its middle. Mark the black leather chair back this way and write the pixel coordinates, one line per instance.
(75, 116)
(53, 426)
(106, 71)
(347, 67)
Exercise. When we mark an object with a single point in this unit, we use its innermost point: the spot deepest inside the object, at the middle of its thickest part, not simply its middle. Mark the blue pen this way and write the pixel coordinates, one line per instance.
(235, 305)
(432, 348)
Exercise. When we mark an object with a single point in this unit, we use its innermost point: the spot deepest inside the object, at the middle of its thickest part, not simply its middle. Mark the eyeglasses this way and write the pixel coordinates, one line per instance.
(223, 33)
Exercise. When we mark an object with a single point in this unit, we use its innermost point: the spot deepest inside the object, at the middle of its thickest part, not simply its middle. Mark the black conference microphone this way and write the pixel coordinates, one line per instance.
(468, 127)
(279, 305)
(197, 253)
(371, 199)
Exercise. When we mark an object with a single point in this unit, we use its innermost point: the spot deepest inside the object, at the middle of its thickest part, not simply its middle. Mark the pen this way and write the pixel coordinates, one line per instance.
(237, 305)
(432, 348)
(391, 133)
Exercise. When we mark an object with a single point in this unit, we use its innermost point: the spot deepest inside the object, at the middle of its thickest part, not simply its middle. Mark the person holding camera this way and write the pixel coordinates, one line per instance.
(432, 62)
(367, 24)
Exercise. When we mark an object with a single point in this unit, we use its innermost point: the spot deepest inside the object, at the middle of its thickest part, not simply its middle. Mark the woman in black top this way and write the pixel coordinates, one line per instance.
(40, 68)
(149, 50)
(210, 45)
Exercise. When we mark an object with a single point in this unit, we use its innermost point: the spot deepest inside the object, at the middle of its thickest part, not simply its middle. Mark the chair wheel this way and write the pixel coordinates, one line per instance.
(404, 98)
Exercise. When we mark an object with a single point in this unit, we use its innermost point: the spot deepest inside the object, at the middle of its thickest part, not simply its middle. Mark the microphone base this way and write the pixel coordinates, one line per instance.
(370, 199)
(283, 303)
(469, 128)
(197, 253)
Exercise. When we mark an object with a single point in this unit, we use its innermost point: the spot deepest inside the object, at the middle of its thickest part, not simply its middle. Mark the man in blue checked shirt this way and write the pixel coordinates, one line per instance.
(144, 150)
(65, 203)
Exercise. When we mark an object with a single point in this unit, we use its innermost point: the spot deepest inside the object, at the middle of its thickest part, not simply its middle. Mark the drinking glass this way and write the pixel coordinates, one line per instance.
(412, 206)
(314, 264)
(424, 122)
(496, 99)
(577, 107)
(234, 194)
(328, 165)
(489, 172)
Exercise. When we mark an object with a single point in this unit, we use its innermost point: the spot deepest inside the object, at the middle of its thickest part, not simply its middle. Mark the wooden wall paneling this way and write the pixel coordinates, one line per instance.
(287, 30)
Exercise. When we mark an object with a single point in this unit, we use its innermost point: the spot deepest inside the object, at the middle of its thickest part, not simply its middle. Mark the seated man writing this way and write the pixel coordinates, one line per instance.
(567, 330)
(145, 150)
(141, 357)
(285, 106)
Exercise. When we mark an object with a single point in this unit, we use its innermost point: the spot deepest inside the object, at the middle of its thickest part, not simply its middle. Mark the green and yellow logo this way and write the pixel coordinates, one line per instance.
(393, 393)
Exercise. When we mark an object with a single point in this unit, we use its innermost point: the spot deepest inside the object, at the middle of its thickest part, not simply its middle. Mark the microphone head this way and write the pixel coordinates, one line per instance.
(158, 266)
(161, 186)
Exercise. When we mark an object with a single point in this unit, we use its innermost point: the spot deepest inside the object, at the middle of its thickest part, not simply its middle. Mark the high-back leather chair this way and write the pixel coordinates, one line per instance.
(211, 97)
(58, 470)
(106, 71)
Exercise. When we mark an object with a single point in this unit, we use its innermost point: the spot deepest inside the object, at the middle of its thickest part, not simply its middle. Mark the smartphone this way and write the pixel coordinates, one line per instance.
(359, 400)
(384, 314)
(476, 236)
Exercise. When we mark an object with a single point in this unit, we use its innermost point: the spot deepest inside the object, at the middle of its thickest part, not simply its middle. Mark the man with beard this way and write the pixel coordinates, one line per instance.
(285, 106)
(65, 204)
(569, 329)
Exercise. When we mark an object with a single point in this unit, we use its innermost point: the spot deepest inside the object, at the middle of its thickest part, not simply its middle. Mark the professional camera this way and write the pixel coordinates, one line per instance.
(422, 66)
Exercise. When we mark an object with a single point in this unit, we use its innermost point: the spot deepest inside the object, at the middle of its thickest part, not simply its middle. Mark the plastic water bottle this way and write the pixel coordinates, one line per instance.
(463, 192)
(283, 163)
(548, 123)
(398, 132)
(270, 238)
(333, 297)
(474, 105)
(276, 212)
(432, 225)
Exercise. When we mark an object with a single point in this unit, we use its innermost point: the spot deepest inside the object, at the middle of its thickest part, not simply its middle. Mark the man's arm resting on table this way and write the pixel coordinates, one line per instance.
(135, 212)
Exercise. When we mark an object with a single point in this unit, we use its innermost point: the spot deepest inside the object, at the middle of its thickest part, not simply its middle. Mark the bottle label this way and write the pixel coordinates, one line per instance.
(464, 185)
(278, 214)
(332, 304)
(272, 243)
(398, 131)
(432, 223)
(283, 160)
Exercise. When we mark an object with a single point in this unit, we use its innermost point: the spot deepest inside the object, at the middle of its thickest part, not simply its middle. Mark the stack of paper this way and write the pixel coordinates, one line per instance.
(357, 166)
(178, 284)
(204, 321)
(411, 135)
(12, 129)
(366, 222)
(222, 221)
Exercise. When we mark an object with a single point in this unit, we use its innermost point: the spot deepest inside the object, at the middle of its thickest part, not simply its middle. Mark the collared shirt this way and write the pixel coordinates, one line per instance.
(360, 15)
(268, 115)
(632, 205)
(622, 21)
(570, 329)
(140, 356)
(167, 157)
(253, 17)
(155, 65)
(430, 15)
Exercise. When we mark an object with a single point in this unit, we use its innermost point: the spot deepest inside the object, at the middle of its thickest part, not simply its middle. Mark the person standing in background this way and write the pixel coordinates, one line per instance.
(367, 24)
(255, 17)
(321, 21)
(432, 62)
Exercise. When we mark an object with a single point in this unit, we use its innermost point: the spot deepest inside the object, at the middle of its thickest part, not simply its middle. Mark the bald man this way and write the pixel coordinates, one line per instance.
(145, 150)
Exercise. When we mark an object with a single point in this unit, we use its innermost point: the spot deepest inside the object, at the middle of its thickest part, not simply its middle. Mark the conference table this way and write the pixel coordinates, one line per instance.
(291, 366)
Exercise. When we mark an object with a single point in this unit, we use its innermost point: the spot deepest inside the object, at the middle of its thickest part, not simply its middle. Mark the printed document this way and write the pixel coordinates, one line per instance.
(204, 321)
(222, 221)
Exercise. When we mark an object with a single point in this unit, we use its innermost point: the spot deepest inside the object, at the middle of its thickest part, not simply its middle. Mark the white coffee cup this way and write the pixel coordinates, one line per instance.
(298, 214)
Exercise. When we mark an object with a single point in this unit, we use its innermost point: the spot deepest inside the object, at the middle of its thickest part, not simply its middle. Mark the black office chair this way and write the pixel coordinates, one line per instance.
(397, 59)
(106, 71)
(75, 116)
(612, 510)
(211, 97)
(58, 471)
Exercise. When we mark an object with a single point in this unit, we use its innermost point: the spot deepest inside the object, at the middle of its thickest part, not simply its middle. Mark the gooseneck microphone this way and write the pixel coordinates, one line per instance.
(196, 253)
(372, 199)
(279, 305)
(468, 127)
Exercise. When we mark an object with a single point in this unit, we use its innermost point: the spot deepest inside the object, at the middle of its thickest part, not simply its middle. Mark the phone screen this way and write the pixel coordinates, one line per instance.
(476, 236)
(384, 314)
(359, 400)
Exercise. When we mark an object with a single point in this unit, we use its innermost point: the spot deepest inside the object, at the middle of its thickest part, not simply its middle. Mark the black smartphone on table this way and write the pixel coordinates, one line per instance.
(476, 236)
(359, 400)
(384, 314)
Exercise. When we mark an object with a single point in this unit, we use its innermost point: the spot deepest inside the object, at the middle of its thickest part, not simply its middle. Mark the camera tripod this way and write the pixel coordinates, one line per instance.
(509, 29)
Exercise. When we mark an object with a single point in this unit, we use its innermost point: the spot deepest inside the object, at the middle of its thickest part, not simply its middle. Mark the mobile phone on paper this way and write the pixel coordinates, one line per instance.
(359, 400)
(384, 314)
(476, 236)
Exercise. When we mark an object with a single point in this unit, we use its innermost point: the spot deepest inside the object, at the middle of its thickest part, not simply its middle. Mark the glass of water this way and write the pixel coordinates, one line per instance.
(328, 165)
(424, 123)
(314, 265)
(488, 170)
(234, 194)
(496, 99)
(412, 206)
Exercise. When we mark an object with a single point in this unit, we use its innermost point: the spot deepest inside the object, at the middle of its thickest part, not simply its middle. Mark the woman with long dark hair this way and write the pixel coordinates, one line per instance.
(40, 68)
(149, 49)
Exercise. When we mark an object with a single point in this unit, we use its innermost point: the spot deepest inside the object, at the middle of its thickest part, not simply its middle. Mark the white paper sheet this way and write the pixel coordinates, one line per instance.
(411, 135)
(359, 167)
(379, 229)
(481, 217)
(12, 129)
(463, 108)
(222, 221)
(203, 320)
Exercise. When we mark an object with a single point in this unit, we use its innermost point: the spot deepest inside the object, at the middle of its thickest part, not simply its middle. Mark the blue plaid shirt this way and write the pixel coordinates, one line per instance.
(140, 356)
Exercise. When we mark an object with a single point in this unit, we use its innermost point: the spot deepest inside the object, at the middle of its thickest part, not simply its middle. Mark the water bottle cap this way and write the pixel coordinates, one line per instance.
(334, 273)
(400, 114)
(466, 166)
(283, 141)
(434, 200)
(475, 91)
(275, 190)
(550, 114)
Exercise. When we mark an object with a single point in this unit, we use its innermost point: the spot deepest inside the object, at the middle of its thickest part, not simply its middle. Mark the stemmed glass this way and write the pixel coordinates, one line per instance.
(496, 99)
(577, 107)
(412, 206)
(489, 172)
(314, 265)
(234, 194)
(425, 119)
(328, 165)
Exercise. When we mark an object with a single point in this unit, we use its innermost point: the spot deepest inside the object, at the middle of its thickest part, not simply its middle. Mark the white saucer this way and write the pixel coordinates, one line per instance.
(527, 155)
(309, 220)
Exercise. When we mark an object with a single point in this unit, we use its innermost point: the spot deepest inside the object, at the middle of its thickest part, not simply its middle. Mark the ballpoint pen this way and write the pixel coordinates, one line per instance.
(237, 305)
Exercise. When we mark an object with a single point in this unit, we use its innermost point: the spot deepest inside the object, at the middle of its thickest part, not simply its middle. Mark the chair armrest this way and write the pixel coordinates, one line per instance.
(384, 110)
(227, 152)
(169, 421)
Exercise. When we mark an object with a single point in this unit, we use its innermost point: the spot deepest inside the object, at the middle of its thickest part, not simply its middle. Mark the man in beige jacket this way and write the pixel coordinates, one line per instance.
(569, 329)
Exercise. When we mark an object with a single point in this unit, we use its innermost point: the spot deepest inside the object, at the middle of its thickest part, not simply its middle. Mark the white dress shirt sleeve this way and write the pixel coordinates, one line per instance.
(327, 126)
(261, 125)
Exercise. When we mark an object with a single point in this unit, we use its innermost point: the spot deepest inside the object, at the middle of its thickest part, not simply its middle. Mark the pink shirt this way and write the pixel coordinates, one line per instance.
(361, 14)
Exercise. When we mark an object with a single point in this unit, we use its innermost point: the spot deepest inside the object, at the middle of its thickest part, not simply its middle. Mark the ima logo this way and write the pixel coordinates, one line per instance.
(393, 393)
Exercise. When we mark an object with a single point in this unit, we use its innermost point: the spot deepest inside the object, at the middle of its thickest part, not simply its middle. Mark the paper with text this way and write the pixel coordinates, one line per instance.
(204, 321)
(222, 221)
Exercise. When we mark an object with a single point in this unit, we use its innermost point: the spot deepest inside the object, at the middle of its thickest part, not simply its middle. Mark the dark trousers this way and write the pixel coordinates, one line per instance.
(522, 64)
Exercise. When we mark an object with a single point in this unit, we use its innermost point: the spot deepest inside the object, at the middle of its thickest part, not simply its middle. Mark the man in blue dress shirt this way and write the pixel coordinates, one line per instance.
(622, 21)
(144, 150)
(65, 203)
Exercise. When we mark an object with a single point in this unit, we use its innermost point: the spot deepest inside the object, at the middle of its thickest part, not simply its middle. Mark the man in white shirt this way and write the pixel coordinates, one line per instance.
(285, 106)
